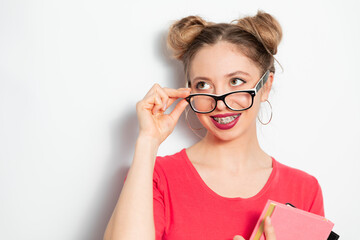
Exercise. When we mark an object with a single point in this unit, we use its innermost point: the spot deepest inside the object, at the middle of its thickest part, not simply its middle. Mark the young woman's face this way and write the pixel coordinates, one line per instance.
(220, 69)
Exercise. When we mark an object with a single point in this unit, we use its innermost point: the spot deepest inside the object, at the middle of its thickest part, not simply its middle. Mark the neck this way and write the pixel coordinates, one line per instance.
(236, 155)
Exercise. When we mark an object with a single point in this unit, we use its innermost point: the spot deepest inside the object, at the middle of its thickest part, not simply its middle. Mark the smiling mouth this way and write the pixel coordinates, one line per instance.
(226, 120)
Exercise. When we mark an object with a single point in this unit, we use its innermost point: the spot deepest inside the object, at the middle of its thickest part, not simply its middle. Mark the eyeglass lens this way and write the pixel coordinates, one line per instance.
(236, 101)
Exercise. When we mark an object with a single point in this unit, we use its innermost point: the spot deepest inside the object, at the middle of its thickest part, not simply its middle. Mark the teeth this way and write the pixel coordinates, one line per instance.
(226, 120)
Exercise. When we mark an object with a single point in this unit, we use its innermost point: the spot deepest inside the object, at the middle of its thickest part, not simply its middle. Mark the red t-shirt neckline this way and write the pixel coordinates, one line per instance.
(214, 194)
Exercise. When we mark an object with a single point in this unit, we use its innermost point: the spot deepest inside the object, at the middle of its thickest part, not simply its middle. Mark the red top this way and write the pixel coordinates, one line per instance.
(186, 208)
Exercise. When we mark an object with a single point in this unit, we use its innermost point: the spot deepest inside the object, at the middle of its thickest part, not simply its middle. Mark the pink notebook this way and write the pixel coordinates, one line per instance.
(292, 223)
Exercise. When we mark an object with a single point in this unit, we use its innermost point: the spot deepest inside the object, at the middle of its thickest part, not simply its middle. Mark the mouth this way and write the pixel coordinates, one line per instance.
(225, 121)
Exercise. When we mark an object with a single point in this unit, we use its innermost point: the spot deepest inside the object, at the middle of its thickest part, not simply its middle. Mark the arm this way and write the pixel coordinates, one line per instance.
(133, 216)
(317, 205)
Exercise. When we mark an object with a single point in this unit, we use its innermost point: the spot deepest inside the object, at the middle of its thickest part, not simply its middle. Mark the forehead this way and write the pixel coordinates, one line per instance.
(217, 60)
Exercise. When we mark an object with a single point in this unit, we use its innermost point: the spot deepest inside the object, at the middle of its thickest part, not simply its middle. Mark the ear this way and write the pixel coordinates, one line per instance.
(267, 87)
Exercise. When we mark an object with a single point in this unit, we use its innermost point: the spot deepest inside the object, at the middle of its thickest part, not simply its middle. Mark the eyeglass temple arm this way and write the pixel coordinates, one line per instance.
(263, 80)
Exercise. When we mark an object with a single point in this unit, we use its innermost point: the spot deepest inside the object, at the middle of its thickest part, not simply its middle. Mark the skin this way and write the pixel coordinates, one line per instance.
(213, 157)
(133, 216)
(231, 161)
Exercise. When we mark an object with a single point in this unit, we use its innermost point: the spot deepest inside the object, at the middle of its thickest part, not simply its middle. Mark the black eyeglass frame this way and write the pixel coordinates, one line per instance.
(252, 92)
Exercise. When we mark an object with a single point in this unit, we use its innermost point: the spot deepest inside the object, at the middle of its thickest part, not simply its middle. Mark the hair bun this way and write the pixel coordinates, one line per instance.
(265, 28)
(183, 32)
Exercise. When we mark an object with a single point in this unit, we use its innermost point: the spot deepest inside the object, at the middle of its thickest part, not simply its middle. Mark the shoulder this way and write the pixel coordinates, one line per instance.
(297, 182)
(300, 188)
(170, 161)
(168, 165)
(294, 175)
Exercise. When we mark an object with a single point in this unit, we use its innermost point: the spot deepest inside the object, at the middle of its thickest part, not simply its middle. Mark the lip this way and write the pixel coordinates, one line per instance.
(225, 126)
(224, 115)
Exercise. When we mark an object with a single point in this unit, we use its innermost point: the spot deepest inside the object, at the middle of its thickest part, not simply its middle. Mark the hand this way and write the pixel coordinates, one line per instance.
(150, 111)
(268, 229)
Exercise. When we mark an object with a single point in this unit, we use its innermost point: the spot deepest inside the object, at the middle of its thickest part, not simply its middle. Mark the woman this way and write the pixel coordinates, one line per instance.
(217, 188)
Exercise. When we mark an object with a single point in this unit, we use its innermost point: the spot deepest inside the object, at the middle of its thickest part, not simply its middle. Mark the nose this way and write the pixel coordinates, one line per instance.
(220, 106)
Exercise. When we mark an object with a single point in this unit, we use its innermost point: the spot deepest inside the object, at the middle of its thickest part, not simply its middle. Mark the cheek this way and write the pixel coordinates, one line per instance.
(257, 102)
(252, 113)
(256, 105)
(204, 119)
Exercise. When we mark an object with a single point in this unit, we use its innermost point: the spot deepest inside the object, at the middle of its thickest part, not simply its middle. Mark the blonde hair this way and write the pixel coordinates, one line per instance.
(257, 37)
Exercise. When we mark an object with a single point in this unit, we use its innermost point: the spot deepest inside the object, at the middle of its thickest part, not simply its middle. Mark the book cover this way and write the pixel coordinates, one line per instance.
(292, 223)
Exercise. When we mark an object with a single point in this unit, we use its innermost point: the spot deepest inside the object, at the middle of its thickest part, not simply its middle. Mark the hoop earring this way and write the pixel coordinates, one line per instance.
(270, 115)
(189, 125)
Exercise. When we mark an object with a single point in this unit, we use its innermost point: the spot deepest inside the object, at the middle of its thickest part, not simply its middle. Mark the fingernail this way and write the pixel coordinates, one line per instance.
(164, 108)
(268, 219)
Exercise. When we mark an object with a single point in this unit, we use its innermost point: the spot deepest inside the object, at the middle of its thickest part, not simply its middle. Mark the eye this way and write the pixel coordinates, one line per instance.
(236, 82)
(202, 85)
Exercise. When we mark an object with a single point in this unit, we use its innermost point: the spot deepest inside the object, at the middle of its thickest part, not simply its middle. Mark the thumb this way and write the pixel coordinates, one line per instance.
(179, 108)
(238, 237)
(269, 230)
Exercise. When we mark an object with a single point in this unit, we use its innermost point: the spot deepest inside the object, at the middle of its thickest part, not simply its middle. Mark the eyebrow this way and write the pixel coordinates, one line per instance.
(236, 73)
(226, 75)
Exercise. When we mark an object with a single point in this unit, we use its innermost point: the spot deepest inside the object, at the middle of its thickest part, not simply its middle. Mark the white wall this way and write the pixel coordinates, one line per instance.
(72, 71)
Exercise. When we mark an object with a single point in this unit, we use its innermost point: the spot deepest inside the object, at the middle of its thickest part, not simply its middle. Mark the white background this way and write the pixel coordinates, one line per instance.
(72, 71)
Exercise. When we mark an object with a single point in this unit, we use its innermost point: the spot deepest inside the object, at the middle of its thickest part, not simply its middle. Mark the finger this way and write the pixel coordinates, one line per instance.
(157, 104)
(269, 230)
(238, 237)
(179, 108)
(177, 93)
(156, 99)
(157, 92)
(167, 96)
(170, 101)
(181, 92)
(152, 90)
(164, 97)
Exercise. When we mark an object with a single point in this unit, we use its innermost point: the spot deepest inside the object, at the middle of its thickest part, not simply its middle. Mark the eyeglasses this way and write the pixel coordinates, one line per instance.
(237, 101)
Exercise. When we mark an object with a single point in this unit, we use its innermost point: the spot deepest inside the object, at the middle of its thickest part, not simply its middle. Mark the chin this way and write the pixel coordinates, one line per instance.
(225, 136)
(228, 135)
